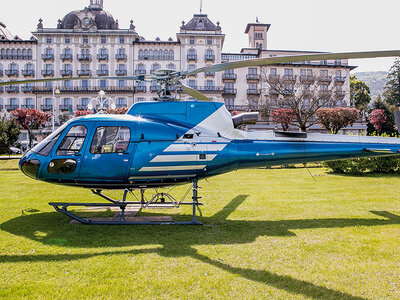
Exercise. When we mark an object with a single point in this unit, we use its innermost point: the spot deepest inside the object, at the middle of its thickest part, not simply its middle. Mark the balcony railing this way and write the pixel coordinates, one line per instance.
(84, 73)
(46, 107)
(12, 107)
(209, 74)
(325, 78)
(102, 56)
(81, 107)
(273, 92)
(307, 78)
(340, 79)
(12, 89)
(48, 56)
(238, 107)
(121, 72)
(121, 57)
(155, 88)
(274, 78)
(48, 72)
(84, 57)
(25, 57)
(230, 91)
(27, 89)
(340, 94)
(65, 107)
(210, 89)
(66, 73)
(229, 76)
(192, 57)
(253, 91)
(66, 57)
(12, 73)
(102, 72)
(253, 77)
(28, 106)
(141, 89)
(209, 57)
(28, 73)
(140, 72)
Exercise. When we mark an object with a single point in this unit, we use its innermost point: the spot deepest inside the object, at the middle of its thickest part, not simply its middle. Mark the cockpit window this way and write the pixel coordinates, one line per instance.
(45, 146)
(73, 141)
(110, 140)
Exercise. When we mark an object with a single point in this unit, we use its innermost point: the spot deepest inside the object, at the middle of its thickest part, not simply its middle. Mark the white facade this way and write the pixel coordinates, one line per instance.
(90, 43)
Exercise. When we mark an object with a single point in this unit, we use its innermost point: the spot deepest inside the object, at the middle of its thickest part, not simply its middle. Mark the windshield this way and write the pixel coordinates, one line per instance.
(44, 147)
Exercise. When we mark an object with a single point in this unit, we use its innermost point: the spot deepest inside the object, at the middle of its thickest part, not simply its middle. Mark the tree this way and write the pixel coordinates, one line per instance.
(389, 126)
(9, 133)
(392, 87)
(117, 111)
(334, 119)
(377, 118)
(30, 119)
(63, 118)
(359, 93)
(81, 113)
(303, 95)
(283, 116)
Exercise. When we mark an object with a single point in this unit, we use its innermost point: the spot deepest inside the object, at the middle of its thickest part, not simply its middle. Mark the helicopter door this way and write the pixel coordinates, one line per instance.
(64, 160)
(107, 158)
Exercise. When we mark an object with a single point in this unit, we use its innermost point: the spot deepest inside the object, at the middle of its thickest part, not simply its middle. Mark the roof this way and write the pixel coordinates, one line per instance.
(4, 33)
(200, 22)
(102, 20)
(256, 24)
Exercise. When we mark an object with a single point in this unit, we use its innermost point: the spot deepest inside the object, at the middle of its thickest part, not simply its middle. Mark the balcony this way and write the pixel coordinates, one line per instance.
(65, 57)
(309, 79)
(12, 107)
(253, 77)
(210, 89)
(273, 78)
(46, 107)
(253, 91)
(121, 57)
(273, 91)
(28, 73)
(340, 79)
(102, 72)
(1, 72)
(12, 73)
(48, 56)
(65, 73)
(84, 57)
(229, 91)
(325, 94)
(229, 76)
(140, 89)
(65, 107)
(209, 57)
(238, 107)
(140, 72)
(84, 73)
(28, 106)
(209, 74)
(155, 88)
(48, 72)
(325, 79)
(121, 72)
(27, 89)
(192, 57)
(12, 89)
(289, 78)
(102, 57)
(81, 107)
(340, 95)
(288, 92)
(13, 57)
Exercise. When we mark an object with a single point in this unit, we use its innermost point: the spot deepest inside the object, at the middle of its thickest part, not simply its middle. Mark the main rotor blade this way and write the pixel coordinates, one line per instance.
(291, 59)
(138, 78)
(195, 94)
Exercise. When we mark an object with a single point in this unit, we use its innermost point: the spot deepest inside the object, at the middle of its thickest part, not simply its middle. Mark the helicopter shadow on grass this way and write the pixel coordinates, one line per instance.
(177, 241)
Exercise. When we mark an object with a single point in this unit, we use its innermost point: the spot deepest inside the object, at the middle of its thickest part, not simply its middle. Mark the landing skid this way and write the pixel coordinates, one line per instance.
(159, 200)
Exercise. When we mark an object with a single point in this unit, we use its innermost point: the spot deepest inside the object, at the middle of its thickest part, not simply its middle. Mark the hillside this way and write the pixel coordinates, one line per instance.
(375, 80)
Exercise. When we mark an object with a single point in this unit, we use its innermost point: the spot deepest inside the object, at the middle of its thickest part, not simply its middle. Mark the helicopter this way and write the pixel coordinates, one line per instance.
(168, 142)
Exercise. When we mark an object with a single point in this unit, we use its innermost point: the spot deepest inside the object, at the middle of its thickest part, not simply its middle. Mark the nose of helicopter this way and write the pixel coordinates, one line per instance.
(30, 164)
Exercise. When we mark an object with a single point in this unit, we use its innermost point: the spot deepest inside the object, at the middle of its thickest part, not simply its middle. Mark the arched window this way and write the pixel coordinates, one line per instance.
(166, 54)
(192, 52)
(121, 51)
(29, 53)
(151, 54)
(155, 67)
(24, 54)
(171, 55)
(156, 56)
(3, 53)
(146, 54)
(19, 54)
(13, 67)
(141, 54)
(8, 51)
(171, 66)
(13, 54)
(161, 55)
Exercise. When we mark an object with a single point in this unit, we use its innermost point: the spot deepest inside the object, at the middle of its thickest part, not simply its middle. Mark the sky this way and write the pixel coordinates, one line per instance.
(316, 25)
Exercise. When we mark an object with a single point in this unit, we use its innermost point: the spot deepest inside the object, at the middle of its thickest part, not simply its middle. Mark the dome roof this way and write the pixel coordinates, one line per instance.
(101, 18)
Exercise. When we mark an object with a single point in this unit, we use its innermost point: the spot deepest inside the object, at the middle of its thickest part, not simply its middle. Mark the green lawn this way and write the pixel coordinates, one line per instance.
(268, 234)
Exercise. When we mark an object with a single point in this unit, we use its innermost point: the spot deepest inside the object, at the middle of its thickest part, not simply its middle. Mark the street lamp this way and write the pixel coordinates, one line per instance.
(101, 101)
(55, 91)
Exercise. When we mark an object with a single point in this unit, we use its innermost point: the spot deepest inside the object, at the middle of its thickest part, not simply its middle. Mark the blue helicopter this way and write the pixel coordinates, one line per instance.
(169, 142)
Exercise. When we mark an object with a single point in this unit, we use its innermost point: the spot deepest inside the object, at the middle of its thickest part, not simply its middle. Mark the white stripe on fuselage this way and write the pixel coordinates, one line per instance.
(182, 158)
(172, 168)
(195, 147)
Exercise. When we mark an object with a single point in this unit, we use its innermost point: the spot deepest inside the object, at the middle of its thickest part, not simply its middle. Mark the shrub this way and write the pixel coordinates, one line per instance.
(382, 164)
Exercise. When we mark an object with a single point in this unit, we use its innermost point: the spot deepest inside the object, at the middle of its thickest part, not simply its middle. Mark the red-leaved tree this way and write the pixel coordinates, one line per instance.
(30, 119)
(334, 119)
(283, 116)
(117, 111)
(377, 118)
(81, 113)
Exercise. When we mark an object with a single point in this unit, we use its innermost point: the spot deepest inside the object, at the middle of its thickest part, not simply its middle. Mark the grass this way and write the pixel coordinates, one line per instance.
(268, 234)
